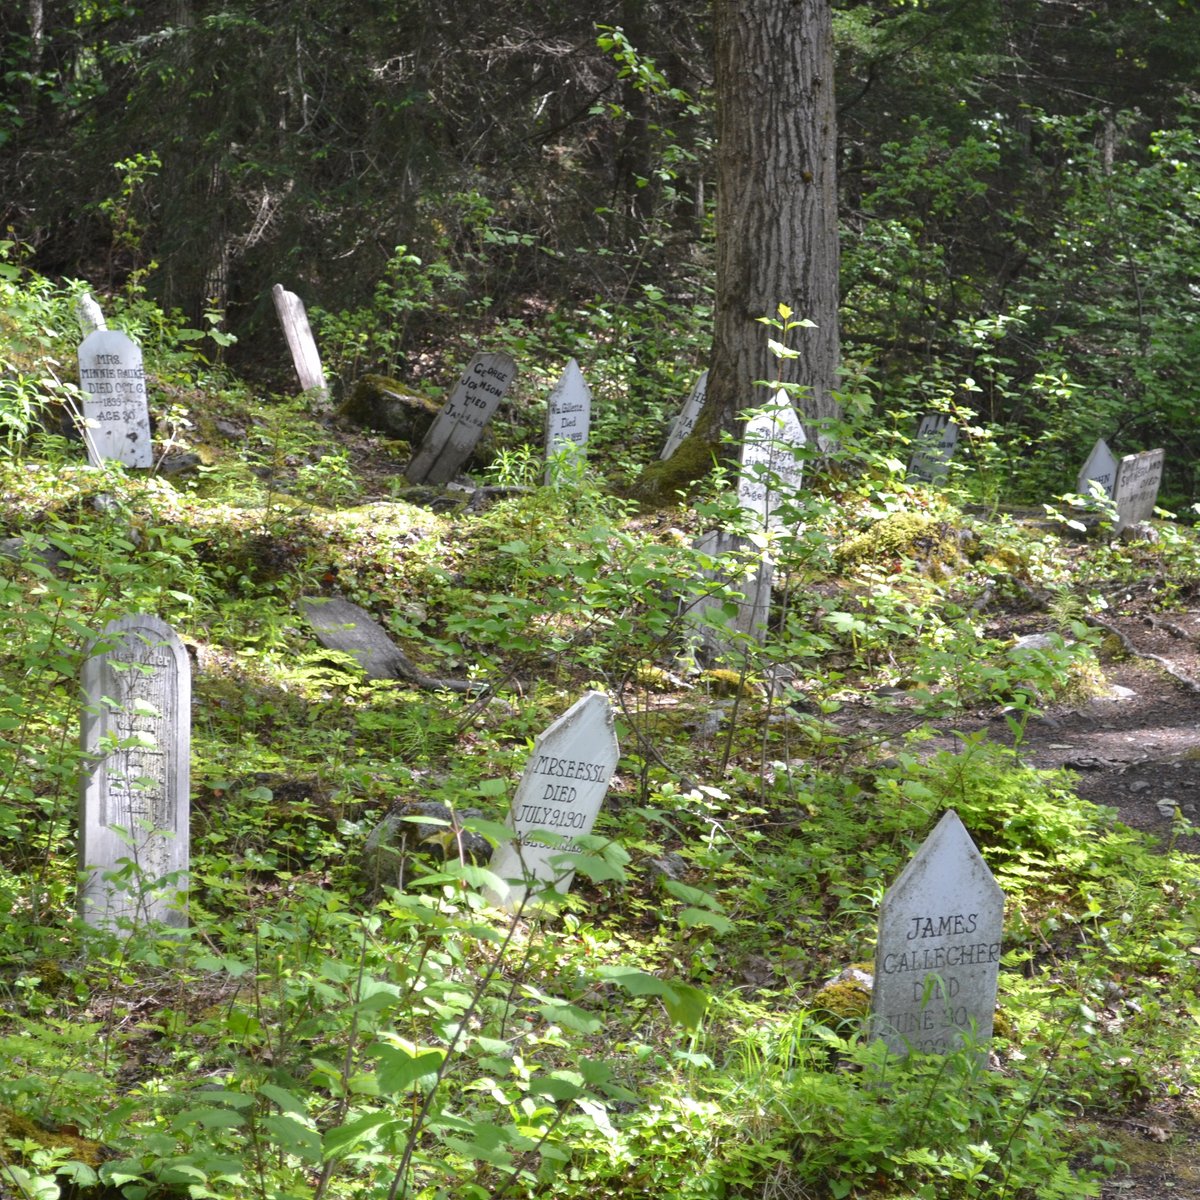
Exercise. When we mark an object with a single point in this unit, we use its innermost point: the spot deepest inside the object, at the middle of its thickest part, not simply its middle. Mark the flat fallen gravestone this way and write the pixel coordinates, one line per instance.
(568, 417)
(1138, 480)
(457, 428)
(561, 790)
(1100, 468)
(340, 625)
(685, 422)
(937, 437)
(293, 316)
(770, 470)
(116, 416)
(937, 960)
(134, 798)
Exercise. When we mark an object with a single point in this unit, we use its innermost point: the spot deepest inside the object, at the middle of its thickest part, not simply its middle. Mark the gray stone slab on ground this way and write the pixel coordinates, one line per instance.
(561, 790)
(341, 625)
(937, 959)
(134, 794)
(115, 413)
(458, 426)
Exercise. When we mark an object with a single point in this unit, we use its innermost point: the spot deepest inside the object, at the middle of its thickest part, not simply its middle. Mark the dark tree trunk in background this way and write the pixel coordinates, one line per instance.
(776, 202)
(777, 236)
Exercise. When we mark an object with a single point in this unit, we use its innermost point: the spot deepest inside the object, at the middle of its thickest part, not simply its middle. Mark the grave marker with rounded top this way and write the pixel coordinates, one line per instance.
(1138, 480)
(134, 795)
(294, 318)
(1100, 468)
(568, 417)
(685, 422)
(937, 437)
(456, 429)
(770, 470)
(937, 959)
(561, 790)
(116, 416)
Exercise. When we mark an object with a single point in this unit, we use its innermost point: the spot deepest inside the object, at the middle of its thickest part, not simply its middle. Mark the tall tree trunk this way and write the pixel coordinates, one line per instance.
(776, 220)
(776, 201)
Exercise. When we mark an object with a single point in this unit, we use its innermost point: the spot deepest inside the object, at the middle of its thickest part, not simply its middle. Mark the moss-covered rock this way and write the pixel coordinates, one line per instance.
(905, 537)
(381, 403)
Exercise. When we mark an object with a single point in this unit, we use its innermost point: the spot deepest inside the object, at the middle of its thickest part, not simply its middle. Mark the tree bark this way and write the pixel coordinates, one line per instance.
(776, 220)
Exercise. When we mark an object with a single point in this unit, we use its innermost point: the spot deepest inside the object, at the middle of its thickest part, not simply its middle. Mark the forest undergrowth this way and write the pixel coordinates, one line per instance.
(669, 1028)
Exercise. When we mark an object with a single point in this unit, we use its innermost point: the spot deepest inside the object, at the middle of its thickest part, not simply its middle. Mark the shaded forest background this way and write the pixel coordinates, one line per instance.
(1019, 195)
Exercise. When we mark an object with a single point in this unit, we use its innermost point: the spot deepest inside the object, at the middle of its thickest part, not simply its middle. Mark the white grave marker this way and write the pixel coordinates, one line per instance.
(685, 422)
(937, 437)
(116, 417)
(561, 790)
(937, 960)
(294, 318)
(456, 429)
(755, 606)
(1138, 480)
(1100, 468)
(134, 796)
(769, 468)
(568, 417)
(89, 314)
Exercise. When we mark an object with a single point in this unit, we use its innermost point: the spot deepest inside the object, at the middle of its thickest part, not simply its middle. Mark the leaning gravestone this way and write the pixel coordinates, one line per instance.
(568, 417)
(561, 790)
(294, 318)
(1100, 468)
(89, 314)
(456, 429)
(115, 414)
(770, 470)
(937, 437)
(937, 960)
(134, 798)
(1138, 480)
(685, 422)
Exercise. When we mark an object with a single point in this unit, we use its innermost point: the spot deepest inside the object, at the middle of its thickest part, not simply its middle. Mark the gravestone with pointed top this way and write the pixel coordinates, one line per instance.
(561, 790)
(1138, 480)
(89, 314)
(116, 416)
(461, 421)
(568, 418)
(134, 795)
(937, 437)
(294, 318)
(937, 958)
(685, 422)
(770, 470)
(1100, 468)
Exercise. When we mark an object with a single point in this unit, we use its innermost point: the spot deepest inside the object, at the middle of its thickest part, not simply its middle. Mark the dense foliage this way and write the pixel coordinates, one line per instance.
(1018, 191)
(334, 1026)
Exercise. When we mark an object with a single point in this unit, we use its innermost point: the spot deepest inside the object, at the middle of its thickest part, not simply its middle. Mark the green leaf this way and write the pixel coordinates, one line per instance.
(399, 1069)
(343, 1138)
(286, 1100)
(294, 1138)
(705, 916)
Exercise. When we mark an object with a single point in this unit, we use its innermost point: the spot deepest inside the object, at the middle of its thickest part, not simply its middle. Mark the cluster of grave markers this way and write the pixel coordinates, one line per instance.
(938, 948)
(939, 937)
